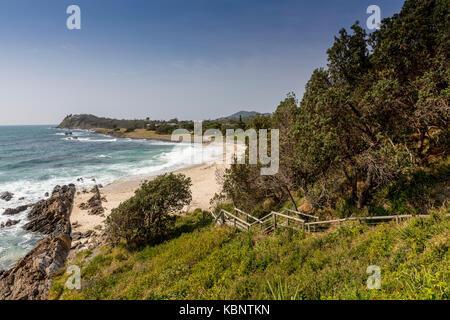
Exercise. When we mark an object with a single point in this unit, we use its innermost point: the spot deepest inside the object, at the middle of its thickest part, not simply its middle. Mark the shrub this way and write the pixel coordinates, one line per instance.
(145, 218)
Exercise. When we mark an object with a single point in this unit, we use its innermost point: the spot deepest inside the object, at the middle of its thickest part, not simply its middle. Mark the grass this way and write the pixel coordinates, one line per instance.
(205, 261)
(137, 134)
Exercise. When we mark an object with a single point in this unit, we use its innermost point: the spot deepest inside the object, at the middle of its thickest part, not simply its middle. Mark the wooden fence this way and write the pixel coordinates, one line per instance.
(244, 221)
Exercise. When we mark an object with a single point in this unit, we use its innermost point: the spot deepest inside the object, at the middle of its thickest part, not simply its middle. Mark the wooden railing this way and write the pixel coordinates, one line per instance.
(312, 226)
(302, 214)
(231, 219)
(268, 223)
(275, 220)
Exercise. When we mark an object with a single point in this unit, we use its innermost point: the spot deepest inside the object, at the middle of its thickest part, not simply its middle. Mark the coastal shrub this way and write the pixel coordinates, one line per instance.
(214, 262)
(146, 217)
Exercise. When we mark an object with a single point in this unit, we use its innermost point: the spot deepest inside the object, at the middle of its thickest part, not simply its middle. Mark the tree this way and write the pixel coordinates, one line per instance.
(145, 218)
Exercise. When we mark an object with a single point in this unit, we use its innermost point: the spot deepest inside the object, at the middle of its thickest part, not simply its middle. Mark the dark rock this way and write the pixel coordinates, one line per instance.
(7, 196)
(51, 216)
(11, 212)
(83, 206)
(31, 276)
(87, 234)
(95, 202)
(21, 198)
(77, 236)
(46, 194)
(96, 211)
(9, 223)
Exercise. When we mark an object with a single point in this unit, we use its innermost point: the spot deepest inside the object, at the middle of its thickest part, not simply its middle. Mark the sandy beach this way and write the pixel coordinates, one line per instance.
(205, 185)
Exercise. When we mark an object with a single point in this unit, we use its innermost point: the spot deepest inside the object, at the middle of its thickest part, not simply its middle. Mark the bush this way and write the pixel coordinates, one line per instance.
(145, 218)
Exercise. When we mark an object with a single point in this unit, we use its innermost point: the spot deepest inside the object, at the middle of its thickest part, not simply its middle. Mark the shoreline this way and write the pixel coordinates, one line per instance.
(88, 229)
(204, 186)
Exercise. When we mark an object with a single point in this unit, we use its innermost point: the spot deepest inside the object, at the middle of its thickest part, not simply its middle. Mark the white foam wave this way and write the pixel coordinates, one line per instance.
(89, 139)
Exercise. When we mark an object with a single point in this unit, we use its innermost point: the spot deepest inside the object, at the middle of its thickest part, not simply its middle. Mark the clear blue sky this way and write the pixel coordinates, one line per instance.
(191, 59)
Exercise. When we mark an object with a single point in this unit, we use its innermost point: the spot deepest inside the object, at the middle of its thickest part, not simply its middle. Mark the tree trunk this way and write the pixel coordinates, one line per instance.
(365, 192)
(353, 180)
(292, 199)
(355, 185)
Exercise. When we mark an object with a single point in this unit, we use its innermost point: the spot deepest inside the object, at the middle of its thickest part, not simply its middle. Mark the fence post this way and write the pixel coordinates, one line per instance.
(274, 221)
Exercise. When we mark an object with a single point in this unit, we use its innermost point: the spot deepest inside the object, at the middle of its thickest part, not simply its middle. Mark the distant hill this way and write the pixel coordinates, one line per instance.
(244, 115)
(89, 121)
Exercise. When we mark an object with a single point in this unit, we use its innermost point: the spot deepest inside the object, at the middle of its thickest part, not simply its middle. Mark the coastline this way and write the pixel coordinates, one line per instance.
(71, 222)
(88, 228)
(204, 186)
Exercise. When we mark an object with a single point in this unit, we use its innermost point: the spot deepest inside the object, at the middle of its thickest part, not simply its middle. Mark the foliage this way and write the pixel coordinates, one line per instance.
(377, 113)
(145, 218)
(211, 262)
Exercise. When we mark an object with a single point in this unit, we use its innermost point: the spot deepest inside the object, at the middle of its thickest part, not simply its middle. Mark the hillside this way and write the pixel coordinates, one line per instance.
(245, 115)
(204, 261)
(89, 121)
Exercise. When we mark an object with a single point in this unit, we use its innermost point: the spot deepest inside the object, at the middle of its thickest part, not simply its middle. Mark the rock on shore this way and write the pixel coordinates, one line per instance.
(9, 223)
(94, 203)
(52, 216)
(30, 278)
(14, 211)
(7, 196)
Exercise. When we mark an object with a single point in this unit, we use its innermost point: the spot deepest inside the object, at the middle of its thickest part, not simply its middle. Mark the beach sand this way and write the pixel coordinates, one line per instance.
(204, 186)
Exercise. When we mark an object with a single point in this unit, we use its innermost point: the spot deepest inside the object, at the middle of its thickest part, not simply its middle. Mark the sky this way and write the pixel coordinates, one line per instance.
(190, 59)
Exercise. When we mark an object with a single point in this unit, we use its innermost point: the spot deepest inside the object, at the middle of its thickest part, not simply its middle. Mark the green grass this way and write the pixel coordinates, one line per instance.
(203, 261)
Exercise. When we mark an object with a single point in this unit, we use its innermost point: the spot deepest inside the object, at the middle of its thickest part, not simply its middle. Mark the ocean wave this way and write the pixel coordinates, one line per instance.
(89, 139)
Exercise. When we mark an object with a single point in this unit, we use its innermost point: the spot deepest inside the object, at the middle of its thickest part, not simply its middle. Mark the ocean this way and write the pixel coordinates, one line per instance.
(33, 159)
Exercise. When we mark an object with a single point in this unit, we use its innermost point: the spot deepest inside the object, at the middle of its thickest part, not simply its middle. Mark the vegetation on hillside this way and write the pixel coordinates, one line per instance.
(378, 115)
(204, 261)
(160, 127)
(369, 137)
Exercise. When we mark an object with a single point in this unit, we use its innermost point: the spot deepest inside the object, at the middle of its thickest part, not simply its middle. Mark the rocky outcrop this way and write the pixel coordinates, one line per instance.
(14, 211)
(7, 196)
(9, 223)
(31, 276)
(94, 204)
(51, 216)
